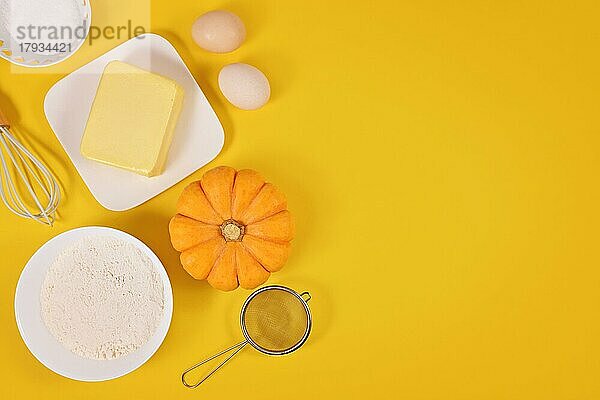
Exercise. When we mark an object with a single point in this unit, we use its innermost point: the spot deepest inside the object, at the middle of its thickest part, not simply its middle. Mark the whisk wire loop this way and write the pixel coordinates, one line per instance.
(31, 172)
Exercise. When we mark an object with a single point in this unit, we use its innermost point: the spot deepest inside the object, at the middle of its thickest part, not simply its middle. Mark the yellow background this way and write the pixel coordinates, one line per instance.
(442, 161)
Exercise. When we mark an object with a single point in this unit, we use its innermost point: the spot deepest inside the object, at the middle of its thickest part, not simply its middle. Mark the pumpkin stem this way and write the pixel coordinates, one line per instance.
(232, 231)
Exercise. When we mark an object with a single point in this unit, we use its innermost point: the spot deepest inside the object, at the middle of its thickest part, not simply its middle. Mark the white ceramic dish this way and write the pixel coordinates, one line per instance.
(11, 51)
(198, 137)
(45, 347)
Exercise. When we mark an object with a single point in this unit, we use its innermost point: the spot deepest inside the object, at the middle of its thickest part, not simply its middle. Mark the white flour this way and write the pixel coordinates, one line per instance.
(102, 298)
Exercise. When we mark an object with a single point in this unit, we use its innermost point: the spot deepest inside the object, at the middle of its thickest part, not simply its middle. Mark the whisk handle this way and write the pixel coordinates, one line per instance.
(3, 120)
(238, 347)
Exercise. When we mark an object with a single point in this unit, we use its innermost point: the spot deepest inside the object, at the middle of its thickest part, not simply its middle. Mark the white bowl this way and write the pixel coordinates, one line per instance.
(50, 351)
(33, 60)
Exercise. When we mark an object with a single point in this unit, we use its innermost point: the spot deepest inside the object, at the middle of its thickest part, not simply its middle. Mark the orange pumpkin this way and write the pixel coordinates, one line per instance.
(232, 229)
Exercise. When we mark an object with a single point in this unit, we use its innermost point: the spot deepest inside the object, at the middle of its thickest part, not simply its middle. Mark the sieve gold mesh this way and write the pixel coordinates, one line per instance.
(276, 320)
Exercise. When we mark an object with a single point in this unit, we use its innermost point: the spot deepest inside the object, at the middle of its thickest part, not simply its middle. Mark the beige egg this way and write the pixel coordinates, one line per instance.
(219, 31)
(245, 86)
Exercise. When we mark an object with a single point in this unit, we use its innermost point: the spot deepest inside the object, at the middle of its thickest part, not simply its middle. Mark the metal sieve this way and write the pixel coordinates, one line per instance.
(275, 320)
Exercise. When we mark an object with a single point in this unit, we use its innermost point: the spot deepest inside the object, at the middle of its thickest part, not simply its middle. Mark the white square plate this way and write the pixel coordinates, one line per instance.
(198, 137)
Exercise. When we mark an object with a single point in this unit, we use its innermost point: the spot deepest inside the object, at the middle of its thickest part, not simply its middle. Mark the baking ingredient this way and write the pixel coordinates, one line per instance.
(219, 31)
(53, 21)
(133, 119)
(245, 86)
(232, 228)
(102, 298)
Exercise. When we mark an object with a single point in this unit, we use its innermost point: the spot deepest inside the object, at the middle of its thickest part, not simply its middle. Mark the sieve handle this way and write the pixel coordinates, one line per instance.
(306, 296)
(238, 347)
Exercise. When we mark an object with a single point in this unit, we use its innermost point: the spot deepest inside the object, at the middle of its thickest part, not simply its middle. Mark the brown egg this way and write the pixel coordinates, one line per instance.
(219, 31)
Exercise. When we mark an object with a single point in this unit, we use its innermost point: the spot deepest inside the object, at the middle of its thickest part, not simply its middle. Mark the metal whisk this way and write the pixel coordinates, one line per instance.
(34, 180)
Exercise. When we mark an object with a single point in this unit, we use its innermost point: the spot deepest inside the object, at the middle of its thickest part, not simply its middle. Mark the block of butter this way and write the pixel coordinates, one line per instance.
(132, 120)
